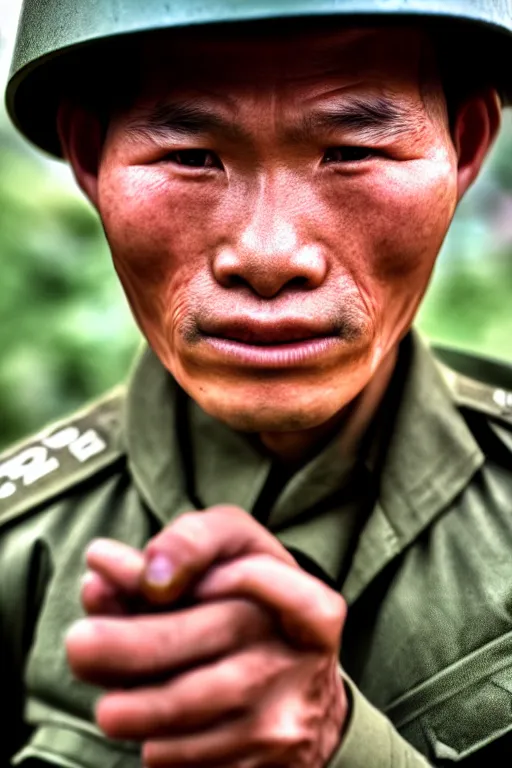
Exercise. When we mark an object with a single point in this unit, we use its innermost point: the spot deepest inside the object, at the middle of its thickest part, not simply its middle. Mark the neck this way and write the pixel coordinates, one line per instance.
(351, 422)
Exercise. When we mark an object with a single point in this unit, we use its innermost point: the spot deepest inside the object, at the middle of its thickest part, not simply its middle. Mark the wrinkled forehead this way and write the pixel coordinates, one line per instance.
(264, 54)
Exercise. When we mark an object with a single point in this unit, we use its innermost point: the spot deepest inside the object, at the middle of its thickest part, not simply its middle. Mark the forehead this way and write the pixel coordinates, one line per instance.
(245, 56)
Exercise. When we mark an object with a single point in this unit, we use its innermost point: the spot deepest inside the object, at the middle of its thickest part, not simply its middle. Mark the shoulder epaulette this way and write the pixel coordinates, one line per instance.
(468, 392)
(61, 456)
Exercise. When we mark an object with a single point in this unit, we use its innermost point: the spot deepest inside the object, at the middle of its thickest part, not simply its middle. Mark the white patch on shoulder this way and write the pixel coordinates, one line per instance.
(503, 399)
(38, 461)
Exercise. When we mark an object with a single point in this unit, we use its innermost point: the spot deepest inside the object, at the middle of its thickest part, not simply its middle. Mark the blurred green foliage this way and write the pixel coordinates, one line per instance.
(66, 334)
(469, 303)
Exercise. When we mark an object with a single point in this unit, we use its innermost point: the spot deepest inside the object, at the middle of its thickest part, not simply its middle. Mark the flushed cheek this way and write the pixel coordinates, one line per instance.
(159, 242)
(407, 214)
(411, 222)
(420, 237)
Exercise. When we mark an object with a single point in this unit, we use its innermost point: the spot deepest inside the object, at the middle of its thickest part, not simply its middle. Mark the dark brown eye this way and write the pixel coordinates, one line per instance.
(195, 158)
(347, 154)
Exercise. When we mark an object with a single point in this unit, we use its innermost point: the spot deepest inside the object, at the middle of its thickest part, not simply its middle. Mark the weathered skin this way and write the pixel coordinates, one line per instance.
(273, 229)
(272, 224)
(251, 671)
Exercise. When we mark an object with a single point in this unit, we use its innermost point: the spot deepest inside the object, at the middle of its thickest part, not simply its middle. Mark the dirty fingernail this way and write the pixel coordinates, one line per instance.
(159, 571)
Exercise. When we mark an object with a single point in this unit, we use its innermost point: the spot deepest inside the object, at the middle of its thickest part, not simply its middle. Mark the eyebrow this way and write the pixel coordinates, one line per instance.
(379, 117)
(183, 119)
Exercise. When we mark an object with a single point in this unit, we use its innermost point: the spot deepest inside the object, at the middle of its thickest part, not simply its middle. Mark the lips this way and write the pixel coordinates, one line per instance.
(268, 343)
(265, 332)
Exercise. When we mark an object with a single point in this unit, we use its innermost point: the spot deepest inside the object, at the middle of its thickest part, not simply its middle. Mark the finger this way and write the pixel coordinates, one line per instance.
(121, 651)
(195, 700)
(118, 563)
(221, 747)
(100, 597)
(187, 548)
(310, 613)
(283, 728)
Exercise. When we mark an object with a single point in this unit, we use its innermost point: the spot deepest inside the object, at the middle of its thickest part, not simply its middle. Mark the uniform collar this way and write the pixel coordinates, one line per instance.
(230, 469)
(182, 459)
(430, 457)
(152, 438)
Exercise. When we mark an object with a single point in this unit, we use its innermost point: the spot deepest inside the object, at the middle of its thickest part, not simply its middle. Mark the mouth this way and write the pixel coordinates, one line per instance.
(280, 344)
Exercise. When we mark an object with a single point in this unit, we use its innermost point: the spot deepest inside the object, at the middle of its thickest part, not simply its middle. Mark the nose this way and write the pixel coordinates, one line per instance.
(273, 252)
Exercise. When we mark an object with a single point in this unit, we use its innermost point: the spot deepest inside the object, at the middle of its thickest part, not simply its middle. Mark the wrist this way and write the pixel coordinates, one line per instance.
(340, 716)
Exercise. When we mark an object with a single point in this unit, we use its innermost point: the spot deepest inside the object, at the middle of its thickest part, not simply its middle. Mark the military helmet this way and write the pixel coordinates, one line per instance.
(53, 33)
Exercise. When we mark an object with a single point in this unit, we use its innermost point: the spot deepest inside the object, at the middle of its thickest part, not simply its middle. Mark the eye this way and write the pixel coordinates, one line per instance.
(347, 154)
(195, 158)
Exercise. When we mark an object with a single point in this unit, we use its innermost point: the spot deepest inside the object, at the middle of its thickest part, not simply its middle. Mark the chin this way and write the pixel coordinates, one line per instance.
(270, 421)
(266, 411)
(273, 401)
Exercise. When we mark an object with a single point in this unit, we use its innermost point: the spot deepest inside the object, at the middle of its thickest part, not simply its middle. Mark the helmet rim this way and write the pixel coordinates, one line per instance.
(30, 75)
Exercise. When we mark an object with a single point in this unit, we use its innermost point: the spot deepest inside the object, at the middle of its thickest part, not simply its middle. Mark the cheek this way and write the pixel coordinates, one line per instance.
(398, 218)
(414, 210)
(416, 214)
(158, 239)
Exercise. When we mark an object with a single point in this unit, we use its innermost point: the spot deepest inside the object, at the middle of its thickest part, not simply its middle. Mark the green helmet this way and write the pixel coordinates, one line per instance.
(52, 32)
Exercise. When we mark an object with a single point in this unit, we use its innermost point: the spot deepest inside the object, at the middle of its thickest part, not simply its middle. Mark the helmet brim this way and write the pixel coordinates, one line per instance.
(35, 88)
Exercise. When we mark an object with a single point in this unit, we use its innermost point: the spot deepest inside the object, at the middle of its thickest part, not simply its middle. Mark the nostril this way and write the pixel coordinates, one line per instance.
(262, 286)
(298, 282)
(268, 273)
(234, 281)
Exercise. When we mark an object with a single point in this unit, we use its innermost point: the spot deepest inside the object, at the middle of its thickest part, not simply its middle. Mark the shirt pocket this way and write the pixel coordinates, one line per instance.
(462, 709)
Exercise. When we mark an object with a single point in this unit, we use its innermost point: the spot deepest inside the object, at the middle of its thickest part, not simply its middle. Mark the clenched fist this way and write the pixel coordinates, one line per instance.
(215, 647)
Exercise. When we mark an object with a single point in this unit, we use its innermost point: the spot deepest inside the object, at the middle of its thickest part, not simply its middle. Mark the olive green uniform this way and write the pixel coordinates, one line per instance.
(416, 532)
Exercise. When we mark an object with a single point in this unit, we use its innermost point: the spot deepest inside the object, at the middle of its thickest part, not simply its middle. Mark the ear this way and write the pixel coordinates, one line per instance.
(81, 136)
(476, 126)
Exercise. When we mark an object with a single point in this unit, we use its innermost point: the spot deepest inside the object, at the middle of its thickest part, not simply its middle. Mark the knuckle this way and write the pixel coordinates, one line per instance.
(190, 527)
(333, 613)
(236, 686)
(266, 670)
(235, 575)
(246, 680)
(282, 733)
(232, 520)
(86, 635)
(241, 576)
(183, 539)
(251, 569)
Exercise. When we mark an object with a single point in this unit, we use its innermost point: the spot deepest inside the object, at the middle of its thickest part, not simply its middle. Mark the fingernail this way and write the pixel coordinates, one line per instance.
(159, 571)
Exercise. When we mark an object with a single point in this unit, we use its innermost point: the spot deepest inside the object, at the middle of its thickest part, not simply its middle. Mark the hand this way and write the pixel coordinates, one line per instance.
(246, 676)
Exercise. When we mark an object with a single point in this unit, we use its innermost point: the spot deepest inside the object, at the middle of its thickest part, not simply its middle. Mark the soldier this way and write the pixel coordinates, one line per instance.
(297, 524)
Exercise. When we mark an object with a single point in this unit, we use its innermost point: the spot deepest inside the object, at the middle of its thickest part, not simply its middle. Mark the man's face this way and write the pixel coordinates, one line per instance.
(274, 209)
